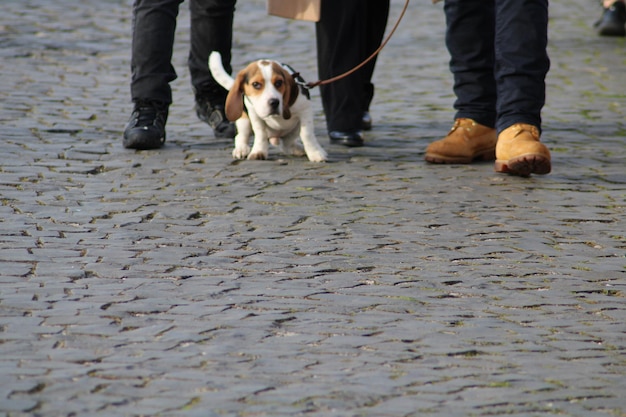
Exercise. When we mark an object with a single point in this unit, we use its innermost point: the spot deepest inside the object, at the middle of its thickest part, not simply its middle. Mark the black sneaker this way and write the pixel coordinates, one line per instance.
(146, 127)
(214, 116)
(613, 21)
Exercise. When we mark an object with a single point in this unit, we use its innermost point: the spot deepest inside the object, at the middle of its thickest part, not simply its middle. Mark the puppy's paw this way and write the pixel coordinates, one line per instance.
(240, 152)
(318, 155)
(294, 149)
(257, 156)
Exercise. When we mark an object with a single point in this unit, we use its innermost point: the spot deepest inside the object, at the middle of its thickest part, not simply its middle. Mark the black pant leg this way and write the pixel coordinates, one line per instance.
(377, 15)
(340, 46)
(154, 26)
(211, 30)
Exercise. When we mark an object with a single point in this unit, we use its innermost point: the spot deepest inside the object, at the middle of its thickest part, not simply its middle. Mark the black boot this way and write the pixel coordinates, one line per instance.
(350, 139)
(210, 109)
(146, 127)
(613, 21)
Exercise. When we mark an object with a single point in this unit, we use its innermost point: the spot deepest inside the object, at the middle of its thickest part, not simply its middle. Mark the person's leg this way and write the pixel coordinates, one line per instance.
(211, 30)
(340, 46)
(522, 64)
(613, 20)
(522, 61)
(377, 14)
(153, 26)
(470, 31)
(470, 28)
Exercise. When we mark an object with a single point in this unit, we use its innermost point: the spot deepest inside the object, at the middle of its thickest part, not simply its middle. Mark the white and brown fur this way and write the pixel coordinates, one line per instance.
(275, 110)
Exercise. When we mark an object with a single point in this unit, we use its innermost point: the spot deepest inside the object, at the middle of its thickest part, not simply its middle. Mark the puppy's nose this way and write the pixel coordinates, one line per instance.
(274, 103)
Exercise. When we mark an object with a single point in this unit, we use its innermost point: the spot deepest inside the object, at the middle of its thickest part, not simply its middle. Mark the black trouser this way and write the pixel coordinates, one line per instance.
(154, 25)
(347, 33)
(499, 59)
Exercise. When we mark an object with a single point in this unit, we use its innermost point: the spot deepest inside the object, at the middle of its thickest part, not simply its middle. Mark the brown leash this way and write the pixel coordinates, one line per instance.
(358, 67)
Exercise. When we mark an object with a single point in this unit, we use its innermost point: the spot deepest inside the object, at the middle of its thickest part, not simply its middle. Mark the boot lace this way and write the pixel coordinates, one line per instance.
(149, 113)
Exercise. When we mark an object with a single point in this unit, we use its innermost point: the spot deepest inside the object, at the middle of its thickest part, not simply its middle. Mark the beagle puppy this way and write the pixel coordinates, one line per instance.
(265, 100)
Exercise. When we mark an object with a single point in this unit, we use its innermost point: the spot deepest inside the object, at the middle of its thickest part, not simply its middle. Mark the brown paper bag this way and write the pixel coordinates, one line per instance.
(295, 9)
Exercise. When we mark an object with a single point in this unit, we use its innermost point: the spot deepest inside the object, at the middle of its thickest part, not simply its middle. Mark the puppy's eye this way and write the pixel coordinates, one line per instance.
(257, 85)
(279, 83)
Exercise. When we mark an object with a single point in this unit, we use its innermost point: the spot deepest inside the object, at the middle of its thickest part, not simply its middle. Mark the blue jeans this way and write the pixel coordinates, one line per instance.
(498, 59)
(154, 26)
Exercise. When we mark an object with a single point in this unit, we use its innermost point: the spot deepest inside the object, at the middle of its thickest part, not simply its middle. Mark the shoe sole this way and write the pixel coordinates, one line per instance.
(524, 165)
(433, 158)
(140, 144)
(613, 29)
(612, 32)
(350, 143)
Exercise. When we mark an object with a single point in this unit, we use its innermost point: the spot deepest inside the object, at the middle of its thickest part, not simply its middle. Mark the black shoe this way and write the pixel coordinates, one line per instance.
(146, 127)
(214, 116)
(613, 21)
(350, 139)
(366, 121)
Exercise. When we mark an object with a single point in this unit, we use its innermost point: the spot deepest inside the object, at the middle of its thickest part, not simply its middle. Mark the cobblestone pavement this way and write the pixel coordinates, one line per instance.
(180, 283)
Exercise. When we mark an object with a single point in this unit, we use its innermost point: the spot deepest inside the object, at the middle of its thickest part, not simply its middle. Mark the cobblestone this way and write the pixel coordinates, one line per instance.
(181, 283)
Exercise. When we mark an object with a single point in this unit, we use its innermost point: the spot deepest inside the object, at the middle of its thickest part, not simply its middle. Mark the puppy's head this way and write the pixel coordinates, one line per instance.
(268, 86)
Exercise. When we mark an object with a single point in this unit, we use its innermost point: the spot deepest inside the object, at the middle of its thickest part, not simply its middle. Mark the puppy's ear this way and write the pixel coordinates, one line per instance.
(291, 94)
(234, 100)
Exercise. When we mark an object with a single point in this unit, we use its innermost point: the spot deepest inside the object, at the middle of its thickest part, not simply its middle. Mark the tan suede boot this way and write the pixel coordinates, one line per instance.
(467, 141)
(519, 151)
